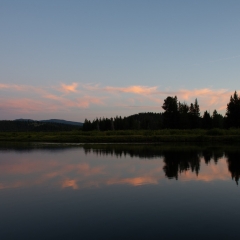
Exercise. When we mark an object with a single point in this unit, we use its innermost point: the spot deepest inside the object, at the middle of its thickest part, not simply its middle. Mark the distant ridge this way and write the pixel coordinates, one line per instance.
(24, 120)
(63, 122)
(60, 121)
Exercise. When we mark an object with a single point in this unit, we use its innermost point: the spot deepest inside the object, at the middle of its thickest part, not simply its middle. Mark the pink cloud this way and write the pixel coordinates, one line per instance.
(136, 181)
(3, 86)
(23, 88)
(132, 89)
(16, 184)
(209, 99)
(82, 102)
(59, 103)
(64, 97)
(56, 171)
(36, 99)
(91, 87)
(25, 105)
(70, 183)
(210, 172)
(69, 88)
(205, 92)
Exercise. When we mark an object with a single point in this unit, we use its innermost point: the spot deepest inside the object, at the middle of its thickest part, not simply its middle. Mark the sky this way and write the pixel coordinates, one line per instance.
(71, 59)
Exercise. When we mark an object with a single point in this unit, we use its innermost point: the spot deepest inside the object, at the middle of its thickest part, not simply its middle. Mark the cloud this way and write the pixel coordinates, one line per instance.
(24, 99)
(12, 87)
(23, 88)
(136, 181)
(204, 92)
(25, 105)
(16, 184)
(70, 183)
(81, 102)
(55, 171)
(69, 88)
(143, 90)
(209, 99)
(66, 98)
(211, 172)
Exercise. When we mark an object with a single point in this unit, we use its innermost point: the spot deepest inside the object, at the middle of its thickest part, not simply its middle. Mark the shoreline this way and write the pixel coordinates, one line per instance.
(124, 137)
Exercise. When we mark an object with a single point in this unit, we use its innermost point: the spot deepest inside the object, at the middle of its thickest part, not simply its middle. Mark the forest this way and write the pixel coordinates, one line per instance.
(176, 115)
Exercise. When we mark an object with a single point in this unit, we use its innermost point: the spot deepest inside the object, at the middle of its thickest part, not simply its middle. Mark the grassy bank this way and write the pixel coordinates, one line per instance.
(166, 135)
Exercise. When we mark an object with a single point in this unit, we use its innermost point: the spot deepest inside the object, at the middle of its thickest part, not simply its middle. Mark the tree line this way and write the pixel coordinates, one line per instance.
(176, 115)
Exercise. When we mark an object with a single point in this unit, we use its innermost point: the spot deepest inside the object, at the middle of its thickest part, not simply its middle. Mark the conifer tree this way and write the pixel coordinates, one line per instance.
(206, 120)
(233, 111)
(171, 114)
(217, 120)
(184, 121)
(194, 112)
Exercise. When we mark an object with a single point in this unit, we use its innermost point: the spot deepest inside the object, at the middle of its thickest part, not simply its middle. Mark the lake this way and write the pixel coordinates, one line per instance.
(177, 191)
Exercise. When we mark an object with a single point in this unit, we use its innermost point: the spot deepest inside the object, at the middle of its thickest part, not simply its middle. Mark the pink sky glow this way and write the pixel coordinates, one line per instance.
(24, 101)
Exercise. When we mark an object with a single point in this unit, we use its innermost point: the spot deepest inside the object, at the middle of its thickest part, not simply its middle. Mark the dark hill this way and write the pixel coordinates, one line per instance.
(60, 121)
(28, 125)
(63, 122)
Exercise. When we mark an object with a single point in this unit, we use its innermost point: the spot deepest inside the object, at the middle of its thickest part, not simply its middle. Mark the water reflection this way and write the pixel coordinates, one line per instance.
(233, 160)
(178, 162)
(88, 166)
(119, 192)
(179, 159)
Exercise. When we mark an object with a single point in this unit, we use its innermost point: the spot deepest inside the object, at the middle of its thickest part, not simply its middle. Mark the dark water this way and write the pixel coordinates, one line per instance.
(119, 192)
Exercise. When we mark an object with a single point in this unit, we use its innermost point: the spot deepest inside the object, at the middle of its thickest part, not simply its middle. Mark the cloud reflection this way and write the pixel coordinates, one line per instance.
(78, 169)
(70, 183)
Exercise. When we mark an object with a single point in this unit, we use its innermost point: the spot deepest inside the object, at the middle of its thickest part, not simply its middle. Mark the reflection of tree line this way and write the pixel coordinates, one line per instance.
(31, 147)
(177, 159)
(233, 160)
(178, 162)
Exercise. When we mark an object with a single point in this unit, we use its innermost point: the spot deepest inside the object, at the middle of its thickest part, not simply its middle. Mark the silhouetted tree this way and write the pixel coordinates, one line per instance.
(233, 111)
(178, 162)
(171, 114)
(194, 113)
(206, 120)
(112, 125)
(87, 126)
(207, 155)
(217, 155)
(217, 120)
(233, 160)
(184, 121)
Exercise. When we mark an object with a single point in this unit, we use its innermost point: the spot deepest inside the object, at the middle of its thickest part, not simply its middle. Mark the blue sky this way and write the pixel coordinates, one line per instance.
(85, 59)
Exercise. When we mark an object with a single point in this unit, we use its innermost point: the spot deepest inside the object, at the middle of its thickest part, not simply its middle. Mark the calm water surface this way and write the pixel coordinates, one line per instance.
(119, 192)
